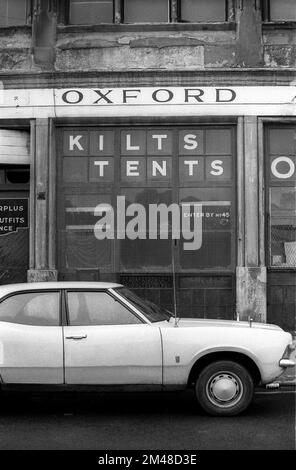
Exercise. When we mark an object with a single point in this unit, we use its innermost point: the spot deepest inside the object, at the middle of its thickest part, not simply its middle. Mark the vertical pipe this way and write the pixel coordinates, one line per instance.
(261, 192)
(32, 194)
(240, 193)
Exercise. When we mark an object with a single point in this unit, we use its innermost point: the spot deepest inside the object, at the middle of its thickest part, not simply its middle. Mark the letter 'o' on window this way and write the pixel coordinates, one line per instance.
(143, 11)
(91, 12)
(282, 10)
(194, 11)
(13, 12)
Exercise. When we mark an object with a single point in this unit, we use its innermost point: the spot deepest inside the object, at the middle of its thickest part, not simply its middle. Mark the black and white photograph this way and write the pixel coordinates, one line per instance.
(147, 232)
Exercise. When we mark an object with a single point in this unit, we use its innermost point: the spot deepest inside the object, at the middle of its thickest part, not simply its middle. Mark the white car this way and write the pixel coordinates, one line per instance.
(81, 334)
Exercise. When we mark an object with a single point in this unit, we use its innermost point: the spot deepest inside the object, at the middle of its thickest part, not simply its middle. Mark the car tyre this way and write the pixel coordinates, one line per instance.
(224, 388)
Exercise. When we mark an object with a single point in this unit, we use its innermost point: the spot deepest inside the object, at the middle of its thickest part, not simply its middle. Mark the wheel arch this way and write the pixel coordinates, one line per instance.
(213, 356)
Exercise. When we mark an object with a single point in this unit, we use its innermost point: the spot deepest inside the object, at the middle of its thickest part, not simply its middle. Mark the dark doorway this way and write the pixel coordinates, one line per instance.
(14, 223)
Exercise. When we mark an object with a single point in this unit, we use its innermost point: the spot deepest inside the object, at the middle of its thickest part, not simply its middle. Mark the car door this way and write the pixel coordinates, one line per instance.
(31, 339)
(106, 343)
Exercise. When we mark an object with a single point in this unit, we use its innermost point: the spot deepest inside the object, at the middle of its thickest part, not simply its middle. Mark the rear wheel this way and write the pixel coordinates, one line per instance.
(224, 388)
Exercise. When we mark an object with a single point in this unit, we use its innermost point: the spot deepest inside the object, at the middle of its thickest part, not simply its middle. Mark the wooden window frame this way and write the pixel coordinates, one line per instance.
(173, 17)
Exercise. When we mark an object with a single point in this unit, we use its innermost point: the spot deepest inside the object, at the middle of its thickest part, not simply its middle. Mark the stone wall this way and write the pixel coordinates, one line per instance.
(279, 46)
(145, 50)
(244, 43)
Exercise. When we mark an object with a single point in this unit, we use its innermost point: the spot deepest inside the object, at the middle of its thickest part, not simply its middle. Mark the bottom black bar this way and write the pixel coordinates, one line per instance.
(142, 458)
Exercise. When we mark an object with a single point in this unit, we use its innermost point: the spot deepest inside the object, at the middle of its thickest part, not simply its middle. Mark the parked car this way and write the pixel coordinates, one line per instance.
(100, 335)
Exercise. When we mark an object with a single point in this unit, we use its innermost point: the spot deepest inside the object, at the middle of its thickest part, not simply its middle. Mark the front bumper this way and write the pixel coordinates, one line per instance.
(287, 363)
(289, 357)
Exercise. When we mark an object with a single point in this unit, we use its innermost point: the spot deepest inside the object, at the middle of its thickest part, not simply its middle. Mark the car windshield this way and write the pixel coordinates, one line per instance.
(153, 312)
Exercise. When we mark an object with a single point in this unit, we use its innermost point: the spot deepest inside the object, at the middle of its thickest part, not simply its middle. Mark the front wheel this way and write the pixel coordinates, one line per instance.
(224, 388)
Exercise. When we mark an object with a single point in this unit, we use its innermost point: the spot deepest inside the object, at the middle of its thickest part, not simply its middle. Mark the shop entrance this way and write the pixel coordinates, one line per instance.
(14, 223)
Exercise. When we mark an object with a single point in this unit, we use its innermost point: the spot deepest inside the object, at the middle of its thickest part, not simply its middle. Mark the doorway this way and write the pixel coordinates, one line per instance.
(14, 223)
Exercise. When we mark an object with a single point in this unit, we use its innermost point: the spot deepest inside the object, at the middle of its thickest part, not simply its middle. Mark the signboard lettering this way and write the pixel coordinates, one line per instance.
(14, 215)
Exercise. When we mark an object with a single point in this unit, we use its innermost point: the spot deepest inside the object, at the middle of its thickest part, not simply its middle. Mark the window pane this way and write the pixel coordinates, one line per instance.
(215, 252)
(141, 11)
(91, 12)
(282, 10)
(282, 141)
(213, 218)
(13, 12)
(34, 308)
(145, 254)
(202, 10)
(82, 248)
(97, 308)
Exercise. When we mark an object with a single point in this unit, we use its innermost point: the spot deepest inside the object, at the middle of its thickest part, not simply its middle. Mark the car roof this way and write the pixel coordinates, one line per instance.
(8, 288)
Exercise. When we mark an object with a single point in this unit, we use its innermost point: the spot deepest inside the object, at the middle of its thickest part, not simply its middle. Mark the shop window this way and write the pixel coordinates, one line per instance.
(282, 196)
(285, 10)
(193, 11)
(14, 12)
(147, 166)
(94, 12)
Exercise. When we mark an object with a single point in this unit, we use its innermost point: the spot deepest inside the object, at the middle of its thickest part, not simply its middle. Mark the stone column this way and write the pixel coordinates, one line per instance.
(42, 203)
(251, 272)
(44, 33)
(249, 33)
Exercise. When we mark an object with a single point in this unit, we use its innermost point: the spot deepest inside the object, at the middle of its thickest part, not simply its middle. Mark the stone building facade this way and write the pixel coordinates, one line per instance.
(217, 78)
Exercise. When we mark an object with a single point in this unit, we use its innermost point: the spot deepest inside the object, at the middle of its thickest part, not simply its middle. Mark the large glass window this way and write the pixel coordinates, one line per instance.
(98, 308)
(281, 169)
(14, 12)
(32, 308)
(142, 186)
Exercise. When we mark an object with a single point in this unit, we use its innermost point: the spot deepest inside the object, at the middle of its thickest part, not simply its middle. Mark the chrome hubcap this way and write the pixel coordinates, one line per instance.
(224, 389)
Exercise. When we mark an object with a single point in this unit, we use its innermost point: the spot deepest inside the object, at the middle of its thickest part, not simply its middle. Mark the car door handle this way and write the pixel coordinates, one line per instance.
(76, 337)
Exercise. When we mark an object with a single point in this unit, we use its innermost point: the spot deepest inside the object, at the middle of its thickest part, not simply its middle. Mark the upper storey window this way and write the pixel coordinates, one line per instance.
(283, 10)
(193, 11)
(141, 11)
(14, 12)
(91, 12)
(152, 11)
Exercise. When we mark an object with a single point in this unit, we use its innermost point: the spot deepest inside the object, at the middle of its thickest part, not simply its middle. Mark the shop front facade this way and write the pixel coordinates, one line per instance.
(216, 142)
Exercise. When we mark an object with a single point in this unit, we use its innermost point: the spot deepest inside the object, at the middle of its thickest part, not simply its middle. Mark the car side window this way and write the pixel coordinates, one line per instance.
(98, 308)
(32, 308)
